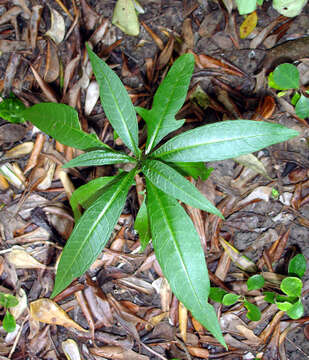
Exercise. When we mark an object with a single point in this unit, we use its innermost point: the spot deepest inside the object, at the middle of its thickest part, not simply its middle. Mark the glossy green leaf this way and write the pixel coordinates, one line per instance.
(11, 110)
(295, 98)
(286, 76)
(283, 305)
(99, 158)
(172, 183)
(216, 294)
(302, 107)
(8, 300)
(167, 101)
(141, 225)
(297, 265)
(291, 286)
(230, 299)
(116, 102)
(61, 122)
(245, 6)
(179, 252)
(9, 323)
(92, 231)
(194, 169)
(254, 313)
(269, 297)
(255, 282)
(223, 140)
(296, 311)
(82, 195)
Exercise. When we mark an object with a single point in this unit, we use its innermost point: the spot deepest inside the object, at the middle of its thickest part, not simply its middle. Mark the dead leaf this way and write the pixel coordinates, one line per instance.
(12, 132)
(252, 162)
(92, 96)
(19, 150)
(208, 62)
(57, 28)
(154, 36)
(52, 67)
(166, 53)
(248, 25)
(48, 312)
(71, 349)
(125, 17)
(198, 352)
(21, 259)
(183, 321)
(265, 109)
(117, 353)
(34, 24)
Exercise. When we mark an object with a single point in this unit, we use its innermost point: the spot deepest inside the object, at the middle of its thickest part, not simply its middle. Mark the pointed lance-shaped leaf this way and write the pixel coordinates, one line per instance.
(179, 252)
(99, 158)
(167, 101)
(116, 102)
(172, 183)
(223, 140)
(92, 231)
(61, 122)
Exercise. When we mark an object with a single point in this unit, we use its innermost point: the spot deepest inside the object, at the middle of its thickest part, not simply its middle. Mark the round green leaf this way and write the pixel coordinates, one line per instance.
(255, 282)
(286, 76)
(9, 323)
(230, 299)
(269, 297)
(254, 313)
(297, 265)
(302, 107)
(283, 305)
(11, 301)
(296, 311)
(291, 286)
(216, 294)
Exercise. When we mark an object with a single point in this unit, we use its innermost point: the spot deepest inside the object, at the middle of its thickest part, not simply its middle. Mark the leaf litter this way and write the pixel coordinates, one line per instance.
(123, 300)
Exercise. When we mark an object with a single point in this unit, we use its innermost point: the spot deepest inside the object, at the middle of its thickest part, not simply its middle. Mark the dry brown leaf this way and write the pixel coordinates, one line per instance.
(48, 312)
(117, 353)
(21, 259)
(47, 90)
(57, 28)
(166, 53)
(52, 68)
(71, 349)
(183, 321)
(198, 352)
(34, 24)
(162, 287)
(208, 62)
(187, 33)
(154, 36)
(265, 108)
(19, 150)
(12, 132)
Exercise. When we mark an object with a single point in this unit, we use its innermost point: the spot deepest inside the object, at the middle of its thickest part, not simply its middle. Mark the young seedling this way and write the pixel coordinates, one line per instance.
(286, 77)
(290, 286)
(8, 301)
(174, 238)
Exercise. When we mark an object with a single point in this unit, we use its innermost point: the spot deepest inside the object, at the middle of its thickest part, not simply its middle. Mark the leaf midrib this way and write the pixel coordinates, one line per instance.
(163, 113)
(165, 219)
(135, 148)
(206, 143)
(94, 225)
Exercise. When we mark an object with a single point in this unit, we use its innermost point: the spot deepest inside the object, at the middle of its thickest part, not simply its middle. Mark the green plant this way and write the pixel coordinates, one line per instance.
(291, 287)
(174, 238)
(286, 77)
(8, 301)
(289, 8)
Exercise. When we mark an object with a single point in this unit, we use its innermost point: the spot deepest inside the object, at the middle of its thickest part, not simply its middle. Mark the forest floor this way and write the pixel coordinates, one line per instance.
(123, 300)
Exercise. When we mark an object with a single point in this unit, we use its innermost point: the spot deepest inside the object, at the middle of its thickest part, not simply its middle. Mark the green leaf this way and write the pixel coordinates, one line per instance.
(8, 300)
(99, 158)
(61, 122)
(223, 140)
(271, 82)
(296, 311)
(230, 299)
(85, 192)
(255, 282)
(289, 8)
(179, 252)
(254, 313)
(302, 107)
(295, 98)
(286, 76)
(92, 231)
(141, 225)
(291, 286)
(216, 294)
(11, 110)
(283, 305)
(194, 169)
(269, 297)
(297, 265)
(116, 102)
(167, 101)
(172, 183)
(9, 323)
(245, 6)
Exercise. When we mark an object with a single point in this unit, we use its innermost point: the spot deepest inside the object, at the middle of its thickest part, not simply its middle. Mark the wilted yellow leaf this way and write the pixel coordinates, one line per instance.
(125, 17)
(248, 25)
(48, 312)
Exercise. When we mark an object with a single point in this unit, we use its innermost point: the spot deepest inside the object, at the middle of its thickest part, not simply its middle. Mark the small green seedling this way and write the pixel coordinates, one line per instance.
(286, 77)
(163, 164)
(290, 286)
(8, 301)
